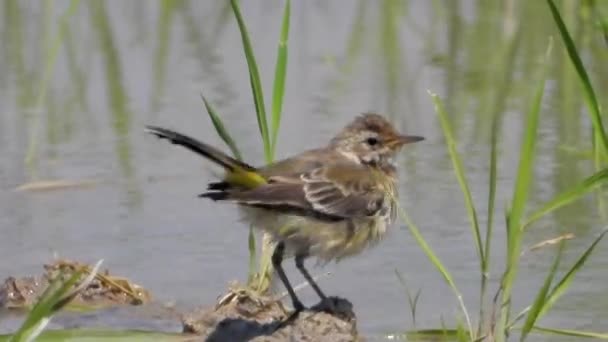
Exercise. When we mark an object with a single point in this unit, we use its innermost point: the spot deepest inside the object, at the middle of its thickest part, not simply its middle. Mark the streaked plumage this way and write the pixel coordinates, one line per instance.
(330, 202)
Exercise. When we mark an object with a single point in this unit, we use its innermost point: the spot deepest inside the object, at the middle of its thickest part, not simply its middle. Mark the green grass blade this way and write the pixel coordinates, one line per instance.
(461, 333)
(485, 262)
(541, 297)
(491, 190)
(460, 173)
(564, 283)
(441, 334)
(589, 94)
(254, 79)
(526, 159)
(221, 129)
(106, 335)
(573, 333)
(569, 196)
(412, 300)
(279, 77)
(436, 262)
(520, 196)
(56, 296)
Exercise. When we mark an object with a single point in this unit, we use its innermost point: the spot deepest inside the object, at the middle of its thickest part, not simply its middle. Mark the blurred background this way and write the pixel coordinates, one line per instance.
(78, 82)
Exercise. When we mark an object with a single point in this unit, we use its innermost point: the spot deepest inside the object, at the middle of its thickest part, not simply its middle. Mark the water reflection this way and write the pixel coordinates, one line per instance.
(123, 65)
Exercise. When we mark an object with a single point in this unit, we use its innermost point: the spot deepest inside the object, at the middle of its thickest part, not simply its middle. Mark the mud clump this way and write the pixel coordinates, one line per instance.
(105, 290)
(242, 316)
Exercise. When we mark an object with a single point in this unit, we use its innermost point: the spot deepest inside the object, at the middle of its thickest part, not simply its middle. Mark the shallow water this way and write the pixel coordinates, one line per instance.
(124, 65)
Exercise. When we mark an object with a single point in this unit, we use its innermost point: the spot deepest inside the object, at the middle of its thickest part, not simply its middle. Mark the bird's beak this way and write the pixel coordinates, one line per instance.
(401, 140)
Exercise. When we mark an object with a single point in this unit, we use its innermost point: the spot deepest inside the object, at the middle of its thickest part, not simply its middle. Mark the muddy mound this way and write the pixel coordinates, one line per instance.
(242, 316)
(105, 289)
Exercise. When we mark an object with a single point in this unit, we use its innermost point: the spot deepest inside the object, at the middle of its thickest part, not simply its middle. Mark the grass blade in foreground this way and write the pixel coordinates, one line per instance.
(254, 78)
(573, 333)
(437, 263)
(57, 295)
(412, 300)
(279, 78)
(588, 92)
(485, 263)
(520, 197)
(265, 266)
(460, 174)
(561, 286)
(569, 196)
(564, 283)
(459, 170)
(541, 297)
(106, 335)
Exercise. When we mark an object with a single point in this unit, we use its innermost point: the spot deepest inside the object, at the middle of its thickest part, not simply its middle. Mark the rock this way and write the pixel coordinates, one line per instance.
(246, 317)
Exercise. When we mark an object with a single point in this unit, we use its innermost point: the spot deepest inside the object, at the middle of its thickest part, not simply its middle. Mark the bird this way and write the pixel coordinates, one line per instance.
(328, 202)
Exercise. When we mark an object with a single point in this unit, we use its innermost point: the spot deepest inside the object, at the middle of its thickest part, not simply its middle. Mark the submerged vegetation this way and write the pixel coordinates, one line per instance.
(562, 64)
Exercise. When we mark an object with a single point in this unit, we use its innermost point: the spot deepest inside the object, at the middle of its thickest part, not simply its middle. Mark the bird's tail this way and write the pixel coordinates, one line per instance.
(238, 173)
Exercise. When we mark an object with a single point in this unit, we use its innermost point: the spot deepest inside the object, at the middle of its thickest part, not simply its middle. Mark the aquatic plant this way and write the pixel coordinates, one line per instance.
(503, 320)
(259, 280)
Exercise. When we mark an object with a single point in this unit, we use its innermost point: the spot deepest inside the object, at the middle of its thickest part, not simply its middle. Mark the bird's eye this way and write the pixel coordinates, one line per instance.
(371, 141)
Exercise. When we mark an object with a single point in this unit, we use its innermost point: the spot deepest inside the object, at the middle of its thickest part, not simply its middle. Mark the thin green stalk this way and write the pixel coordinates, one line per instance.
(489, 222)
(572, 333)
(460, 175)
(437, 263)
(462, 181)
(221, 130)
(255, 81)
(568, 196)
(564, 283)
(412, 300)
(279, 78)
(506, 64)
(223, 133)
(520, 196)
(558, 290)
(541, 297)
(265, 268)
(588, 92)
(57, 295)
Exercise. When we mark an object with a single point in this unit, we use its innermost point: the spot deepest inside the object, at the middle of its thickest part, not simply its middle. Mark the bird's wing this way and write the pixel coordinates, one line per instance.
(331, 192)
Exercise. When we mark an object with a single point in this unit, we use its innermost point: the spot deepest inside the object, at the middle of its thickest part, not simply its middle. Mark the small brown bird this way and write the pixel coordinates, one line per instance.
(330, 202)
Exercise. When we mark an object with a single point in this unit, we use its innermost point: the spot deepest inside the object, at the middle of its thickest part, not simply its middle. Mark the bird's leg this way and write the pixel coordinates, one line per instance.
(300, 265)
(277, 258)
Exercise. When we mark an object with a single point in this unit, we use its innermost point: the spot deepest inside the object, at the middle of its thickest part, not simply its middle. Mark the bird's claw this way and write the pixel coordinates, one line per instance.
(336, 306)
(298, 307)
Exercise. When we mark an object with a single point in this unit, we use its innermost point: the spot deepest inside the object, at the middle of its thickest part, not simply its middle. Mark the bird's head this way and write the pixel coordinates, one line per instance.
(371, 139)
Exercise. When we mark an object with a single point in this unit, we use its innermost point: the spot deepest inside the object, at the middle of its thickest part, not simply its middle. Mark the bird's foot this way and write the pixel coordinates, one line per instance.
(336, 306)
(298, 307)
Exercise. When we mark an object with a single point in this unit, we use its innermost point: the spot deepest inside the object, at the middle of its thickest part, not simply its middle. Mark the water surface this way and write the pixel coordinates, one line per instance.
(122, 65)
